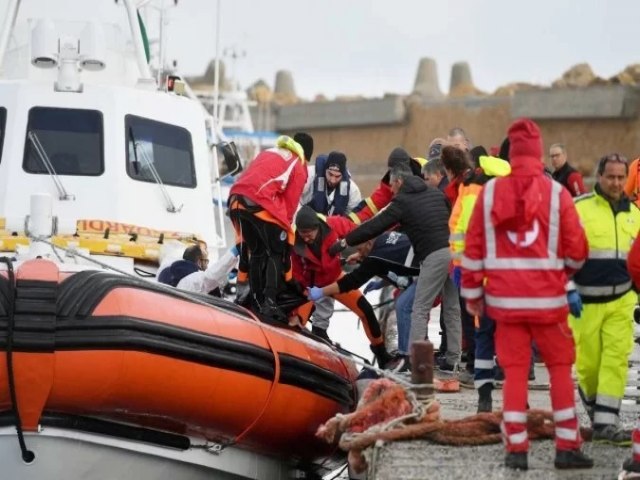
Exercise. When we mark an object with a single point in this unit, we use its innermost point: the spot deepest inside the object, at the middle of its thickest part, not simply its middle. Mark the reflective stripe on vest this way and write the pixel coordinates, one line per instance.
(515, 263)
(636, 449)
(528, 303)
(607, 255)
(514, 417)
(604, 291)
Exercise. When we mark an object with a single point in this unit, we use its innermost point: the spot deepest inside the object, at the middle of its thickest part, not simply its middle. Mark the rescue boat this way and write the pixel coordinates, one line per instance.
(106, 169)
(100, 354)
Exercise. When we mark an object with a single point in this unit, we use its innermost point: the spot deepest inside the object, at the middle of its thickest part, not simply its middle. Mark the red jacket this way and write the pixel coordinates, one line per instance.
(633, 262)
(313, 271)
(524, 241)
(368, 207)
(274, 180)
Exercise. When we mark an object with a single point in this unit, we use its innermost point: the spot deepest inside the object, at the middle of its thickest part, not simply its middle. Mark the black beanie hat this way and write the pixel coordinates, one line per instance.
(337, 159)
(398, 156)
(504, 149)
(306, 142)
(307, 218)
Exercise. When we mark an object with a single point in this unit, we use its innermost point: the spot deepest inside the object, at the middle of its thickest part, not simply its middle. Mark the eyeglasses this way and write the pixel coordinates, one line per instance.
(611, 158)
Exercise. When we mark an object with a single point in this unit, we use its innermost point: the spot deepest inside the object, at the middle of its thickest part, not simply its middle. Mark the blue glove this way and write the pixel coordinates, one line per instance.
(234, 251)
(315, 293)
(373, 285)
(575, 303)
(456, 276)
(401, 282)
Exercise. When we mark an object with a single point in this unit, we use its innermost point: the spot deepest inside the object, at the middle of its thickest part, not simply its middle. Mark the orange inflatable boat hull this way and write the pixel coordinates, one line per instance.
(94, 348)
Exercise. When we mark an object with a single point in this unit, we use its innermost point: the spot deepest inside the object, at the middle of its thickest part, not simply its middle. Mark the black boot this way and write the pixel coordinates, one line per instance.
(320, 332)
(485, 402)
(384, 359)
(630, 466)
(271, 312)
(516, 461)
(566, 459)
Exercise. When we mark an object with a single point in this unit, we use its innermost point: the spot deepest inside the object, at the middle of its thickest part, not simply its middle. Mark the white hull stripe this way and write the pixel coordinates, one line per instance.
(528, 303)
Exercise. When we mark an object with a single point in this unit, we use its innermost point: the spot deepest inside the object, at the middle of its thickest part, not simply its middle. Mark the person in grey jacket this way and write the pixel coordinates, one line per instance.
(423, 214)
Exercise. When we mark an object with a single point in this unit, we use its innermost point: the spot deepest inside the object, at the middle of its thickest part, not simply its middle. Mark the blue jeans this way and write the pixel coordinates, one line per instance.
(404, 305)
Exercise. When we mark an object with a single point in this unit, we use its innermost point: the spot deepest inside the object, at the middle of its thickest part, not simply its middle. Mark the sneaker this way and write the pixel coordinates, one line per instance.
(466, 379)
(446, 367)
(611, 435)
(566, 459)
(516, 461)
(404, 366)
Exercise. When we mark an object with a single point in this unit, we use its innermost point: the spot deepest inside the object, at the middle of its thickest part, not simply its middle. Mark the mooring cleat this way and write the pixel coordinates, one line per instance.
(566, 459)
(516, 461)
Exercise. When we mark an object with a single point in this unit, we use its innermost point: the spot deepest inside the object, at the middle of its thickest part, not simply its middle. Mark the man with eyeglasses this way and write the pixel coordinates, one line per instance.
(564, 173)
(603, 330)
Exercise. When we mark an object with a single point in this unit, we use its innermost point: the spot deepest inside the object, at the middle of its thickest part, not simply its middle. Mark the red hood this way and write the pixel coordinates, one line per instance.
(520, 195)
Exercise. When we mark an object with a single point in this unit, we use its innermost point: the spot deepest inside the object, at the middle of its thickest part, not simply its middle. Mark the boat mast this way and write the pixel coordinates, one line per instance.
(136, 37)
(7, 28)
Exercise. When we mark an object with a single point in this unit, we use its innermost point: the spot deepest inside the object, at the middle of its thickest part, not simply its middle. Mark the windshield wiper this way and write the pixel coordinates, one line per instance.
(46, 162)
(147, 162)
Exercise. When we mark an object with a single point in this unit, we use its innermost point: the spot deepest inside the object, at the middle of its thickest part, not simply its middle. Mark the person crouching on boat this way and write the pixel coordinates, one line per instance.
(262, 204)
(194, 274)
(523, 243)
(314, 268)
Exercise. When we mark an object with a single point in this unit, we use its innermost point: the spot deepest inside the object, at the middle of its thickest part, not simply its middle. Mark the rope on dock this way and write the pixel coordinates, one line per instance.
(389, 412)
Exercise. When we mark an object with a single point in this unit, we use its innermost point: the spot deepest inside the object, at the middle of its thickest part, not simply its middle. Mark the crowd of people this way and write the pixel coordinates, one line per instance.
(523, 260)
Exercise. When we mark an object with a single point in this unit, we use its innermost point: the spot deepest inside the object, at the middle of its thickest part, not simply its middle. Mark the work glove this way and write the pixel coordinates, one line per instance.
(315, 293)
(575, 303)
(373, 285)
(338, 246)
(456, 276)
(234, 251)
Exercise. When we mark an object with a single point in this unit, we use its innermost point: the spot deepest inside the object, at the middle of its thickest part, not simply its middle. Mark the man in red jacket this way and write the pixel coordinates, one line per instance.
(523, 243)
(262, 204)
(314, 268)
(632, 464)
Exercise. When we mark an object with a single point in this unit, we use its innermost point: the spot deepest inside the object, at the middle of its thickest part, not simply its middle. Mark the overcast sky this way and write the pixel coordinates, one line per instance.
(370, 47)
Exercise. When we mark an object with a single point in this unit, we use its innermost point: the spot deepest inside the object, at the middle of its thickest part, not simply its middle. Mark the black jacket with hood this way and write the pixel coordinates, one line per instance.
(422, 212)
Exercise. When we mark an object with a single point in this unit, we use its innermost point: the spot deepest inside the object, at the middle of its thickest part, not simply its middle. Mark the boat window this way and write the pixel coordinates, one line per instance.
(71, 138)
(159, 151)
(3, 121)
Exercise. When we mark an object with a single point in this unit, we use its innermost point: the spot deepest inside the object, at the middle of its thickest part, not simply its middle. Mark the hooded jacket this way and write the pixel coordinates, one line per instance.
(422, 212)
(524, 239)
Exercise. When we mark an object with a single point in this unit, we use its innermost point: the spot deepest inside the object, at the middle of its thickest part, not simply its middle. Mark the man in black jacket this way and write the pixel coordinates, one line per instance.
(390, 256)
(423, 214)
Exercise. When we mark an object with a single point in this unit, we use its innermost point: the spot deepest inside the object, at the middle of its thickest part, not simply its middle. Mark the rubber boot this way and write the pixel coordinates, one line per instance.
(517, 461)
(384, 359)
(320, 332)
(566, 459)
(629, 465)
(485, 402)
